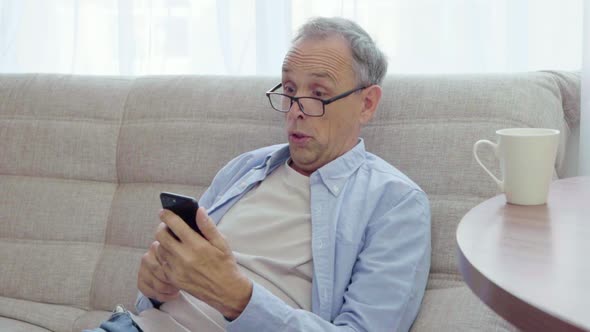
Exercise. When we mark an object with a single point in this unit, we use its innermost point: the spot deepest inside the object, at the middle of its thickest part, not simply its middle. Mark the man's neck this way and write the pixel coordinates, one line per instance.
(297, 169)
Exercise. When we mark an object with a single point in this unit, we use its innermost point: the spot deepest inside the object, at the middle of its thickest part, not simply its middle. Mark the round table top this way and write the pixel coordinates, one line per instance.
(529, 263)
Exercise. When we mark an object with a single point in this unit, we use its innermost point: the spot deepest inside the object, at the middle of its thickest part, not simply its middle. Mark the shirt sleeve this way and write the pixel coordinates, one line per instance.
(224, 178)
(386, 287)
(143, 302)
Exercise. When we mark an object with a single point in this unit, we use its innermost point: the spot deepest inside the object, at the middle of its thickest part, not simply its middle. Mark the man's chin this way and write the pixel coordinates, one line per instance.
(301, 170)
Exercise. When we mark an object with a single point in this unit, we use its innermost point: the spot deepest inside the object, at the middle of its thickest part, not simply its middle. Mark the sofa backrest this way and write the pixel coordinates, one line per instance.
(83, 159)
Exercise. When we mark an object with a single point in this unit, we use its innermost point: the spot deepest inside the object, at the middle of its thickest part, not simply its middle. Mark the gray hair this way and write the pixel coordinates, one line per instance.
(369, 63)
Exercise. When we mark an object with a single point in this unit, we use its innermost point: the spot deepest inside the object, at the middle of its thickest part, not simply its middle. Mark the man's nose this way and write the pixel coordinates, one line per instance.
(295, 110)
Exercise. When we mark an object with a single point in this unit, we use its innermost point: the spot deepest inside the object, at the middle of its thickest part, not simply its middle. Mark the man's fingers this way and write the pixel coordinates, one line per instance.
(176, 224)
(163, 235)
(159, 287)
(153, 261)
(210, 231)
(152, 280)
(152, 255)
(158, 254)
(154, 291)
(164, 257)
(163, 288)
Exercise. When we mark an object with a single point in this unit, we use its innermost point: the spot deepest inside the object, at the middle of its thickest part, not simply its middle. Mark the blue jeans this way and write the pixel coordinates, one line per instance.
(118, 322)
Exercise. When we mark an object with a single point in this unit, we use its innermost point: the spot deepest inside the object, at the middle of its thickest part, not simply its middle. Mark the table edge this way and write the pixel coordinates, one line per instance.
(518, 312)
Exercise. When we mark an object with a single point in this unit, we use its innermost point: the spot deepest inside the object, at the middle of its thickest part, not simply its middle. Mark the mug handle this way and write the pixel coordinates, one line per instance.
(495, 147)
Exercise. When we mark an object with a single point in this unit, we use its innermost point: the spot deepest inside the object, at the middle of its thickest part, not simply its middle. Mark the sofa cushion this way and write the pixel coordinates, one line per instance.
(52, 235)
(61, 125)
(12, 325)
(456, 309)
(58, 318)
(183, 129)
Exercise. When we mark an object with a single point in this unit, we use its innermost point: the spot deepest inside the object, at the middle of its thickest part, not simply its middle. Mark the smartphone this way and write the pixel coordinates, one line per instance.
(183, 206)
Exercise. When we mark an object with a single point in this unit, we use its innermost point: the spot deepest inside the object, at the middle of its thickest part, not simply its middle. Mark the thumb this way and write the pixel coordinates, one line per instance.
(210, 231)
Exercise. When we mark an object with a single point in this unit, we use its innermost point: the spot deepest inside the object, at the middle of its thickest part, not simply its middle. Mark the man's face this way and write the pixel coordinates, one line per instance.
(321, 68)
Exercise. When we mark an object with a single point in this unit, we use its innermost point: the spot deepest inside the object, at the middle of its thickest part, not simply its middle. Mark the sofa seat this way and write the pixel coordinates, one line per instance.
(454, 308)
(13, 325)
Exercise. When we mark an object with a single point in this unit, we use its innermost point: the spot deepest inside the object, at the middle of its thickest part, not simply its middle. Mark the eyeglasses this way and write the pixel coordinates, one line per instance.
(310, 106)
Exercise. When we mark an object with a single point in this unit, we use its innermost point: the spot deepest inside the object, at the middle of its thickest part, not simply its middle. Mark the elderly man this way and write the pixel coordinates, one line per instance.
(314, 235)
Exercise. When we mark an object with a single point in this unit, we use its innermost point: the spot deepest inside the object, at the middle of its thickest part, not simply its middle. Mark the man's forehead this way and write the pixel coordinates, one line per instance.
(313, 72)
(330, 61)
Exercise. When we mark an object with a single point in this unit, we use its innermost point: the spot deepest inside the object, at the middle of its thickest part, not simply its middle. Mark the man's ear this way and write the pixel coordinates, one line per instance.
(371, 98)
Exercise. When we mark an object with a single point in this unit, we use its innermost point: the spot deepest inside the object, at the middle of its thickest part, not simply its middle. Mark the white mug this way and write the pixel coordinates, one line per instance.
(527, 159)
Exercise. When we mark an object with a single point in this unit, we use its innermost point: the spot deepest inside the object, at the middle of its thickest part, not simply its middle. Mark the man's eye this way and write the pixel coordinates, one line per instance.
(289, 91)
(318, 94)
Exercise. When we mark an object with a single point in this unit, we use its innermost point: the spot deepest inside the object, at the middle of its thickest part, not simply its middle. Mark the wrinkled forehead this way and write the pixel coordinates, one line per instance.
(328, 58)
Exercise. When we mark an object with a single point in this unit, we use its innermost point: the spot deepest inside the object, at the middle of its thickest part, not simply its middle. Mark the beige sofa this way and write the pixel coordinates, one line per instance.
(83, 159)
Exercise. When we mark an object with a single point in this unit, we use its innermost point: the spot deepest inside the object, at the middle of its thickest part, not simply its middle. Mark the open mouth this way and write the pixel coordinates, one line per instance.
(296, 137)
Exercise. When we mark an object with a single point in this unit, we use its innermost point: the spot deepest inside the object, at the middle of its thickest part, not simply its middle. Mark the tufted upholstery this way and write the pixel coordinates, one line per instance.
(82, 160)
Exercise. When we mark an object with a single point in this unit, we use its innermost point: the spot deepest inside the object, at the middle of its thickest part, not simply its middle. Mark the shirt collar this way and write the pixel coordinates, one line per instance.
(276, 158)
(334, 174)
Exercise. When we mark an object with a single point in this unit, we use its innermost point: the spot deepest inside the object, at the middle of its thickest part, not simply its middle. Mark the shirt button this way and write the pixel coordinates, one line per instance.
(320, 244)
(335, 189)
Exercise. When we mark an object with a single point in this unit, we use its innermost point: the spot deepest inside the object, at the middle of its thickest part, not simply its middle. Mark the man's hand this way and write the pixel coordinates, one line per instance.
(151, 279)
(205, 266)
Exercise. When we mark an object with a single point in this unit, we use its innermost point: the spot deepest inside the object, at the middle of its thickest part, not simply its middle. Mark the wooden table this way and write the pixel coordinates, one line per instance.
(531, 264)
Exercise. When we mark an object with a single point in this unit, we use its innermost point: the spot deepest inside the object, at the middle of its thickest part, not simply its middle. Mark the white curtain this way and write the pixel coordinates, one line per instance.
(584, 130)
(250, 37)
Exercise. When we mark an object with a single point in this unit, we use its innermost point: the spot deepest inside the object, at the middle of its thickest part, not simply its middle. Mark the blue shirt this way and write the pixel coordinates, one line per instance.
(370, 244)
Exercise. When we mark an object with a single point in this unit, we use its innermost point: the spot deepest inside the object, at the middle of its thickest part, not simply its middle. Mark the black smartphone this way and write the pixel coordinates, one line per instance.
(183, 206)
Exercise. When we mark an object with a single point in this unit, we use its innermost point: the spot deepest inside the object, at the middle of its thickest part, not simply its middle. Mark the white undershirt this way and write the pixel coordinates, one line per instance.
(269, 230)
